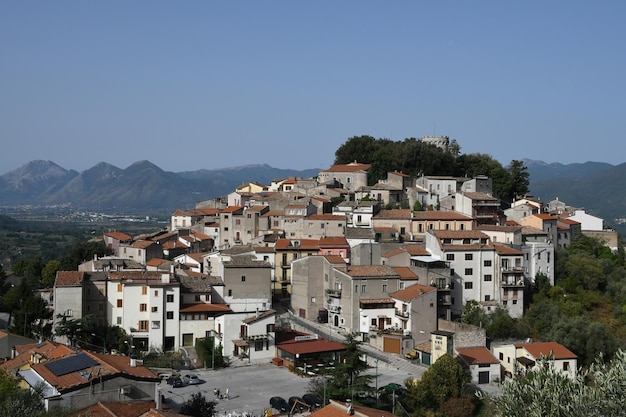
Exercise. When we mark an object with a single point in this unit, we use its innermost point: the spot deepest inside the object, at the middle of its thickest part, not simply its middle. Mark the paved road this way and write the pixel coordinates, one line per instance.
(251, 387)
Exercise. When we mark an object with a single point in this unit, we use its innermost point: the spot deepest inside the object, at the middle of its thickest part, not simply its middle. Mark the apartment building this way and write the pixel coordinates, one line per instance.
(146, 305)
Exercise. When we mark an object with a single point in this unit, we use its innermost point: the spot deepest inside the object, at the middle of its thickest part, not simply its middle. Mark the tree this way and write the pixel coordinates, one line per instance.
(444, 381)
(520, 180)
(210, 352)
(198, 406)
(49, 272)
(82, 252)
(546, 391)
(473, 314)
(347, 377)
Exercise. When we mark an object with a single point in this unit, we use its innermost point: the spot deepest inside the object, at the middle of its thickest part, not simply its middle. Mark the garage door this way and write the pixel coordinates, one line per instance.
(391, 345)
(483, 377)
(188, 339)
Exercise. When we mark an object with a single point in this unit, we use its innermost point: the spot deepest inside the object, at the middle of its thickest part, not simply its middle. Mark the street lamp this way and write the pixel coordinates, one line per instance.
(104, 346)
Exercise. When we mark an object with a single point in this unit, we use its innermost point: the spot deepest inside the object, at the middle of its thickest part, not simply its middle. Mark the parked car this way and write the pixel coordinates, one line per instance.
(177, 382)
(279, 403)
(191, 379)
(312, 400)
(413, 354)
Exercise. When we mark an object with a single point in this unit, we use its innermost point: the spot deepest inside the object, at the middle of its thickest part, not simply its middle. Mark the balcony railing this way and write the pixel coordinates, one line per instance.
(400, 313)
(512, 283)
(333, 293)
(333, 308)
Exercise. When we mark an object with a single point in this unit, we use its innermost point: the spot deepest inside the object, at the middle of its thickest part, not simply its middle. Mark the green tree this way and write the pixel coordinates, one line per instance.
(49, 272)
(198, 406)
(546, 391)
(347, 377)
(520, 180)
(82, 252)
(210, 350)
(357, 148)
(444, 381)
(474, 314)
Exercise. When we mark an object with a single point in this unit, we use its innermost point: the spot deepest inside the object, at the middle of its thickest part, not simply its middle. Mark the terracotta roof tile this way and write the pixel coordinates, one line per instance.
(412, 292)
(69, 278)
(351, 167)
(545, 348)
(405, 272)
(477, 356)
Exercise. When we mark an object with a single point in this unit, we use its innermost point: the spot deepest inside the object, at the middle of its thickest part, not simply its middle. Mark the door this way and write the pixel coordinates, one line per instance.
(391, 345)
(483, 377)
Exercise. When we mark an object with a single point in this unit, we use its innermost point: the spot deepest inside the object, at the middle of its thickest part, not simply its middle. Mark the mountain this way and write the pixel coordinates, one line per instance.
(596, 187)
(142, 185)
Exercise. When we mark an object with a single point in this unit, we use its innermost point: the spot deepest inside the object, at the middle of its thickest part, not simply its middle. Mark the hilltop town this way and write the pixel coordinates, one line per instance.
(394, 263)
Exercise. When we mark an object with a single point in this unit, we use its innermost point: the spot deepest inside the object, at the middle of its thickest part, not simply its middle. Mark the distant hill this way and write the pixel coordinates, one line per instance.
(596, 186)
(142, 185)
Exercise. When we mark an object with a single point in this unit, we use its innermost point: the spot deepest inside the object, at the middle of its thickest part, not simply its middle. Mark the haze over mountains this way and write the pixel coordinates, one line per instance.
(595, 186)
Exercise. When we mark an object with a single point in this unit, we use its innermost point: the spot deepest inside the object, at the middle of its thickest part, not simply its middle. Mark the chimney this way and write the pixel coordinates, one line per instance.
(158, 397)
(165, 278)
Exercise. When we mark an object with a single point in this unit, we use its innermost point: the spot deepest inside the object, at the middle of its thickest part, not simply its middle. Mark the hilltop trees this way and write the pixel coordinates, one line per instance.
(415, 157)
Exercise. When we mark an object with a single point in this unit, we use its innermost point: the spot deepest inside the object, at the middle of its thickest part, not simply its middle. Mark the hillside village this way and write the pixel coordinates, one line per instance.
(339, 254)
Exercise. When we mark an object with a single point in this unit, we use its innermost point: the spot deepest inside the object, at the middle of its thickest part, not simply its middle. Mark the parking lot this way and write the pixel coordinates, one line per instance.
(251, 387)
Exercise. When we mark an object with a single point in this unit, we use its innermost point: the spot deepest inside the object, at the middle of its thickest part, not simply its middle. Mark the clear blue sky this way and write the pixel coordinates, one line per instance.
(212, 84)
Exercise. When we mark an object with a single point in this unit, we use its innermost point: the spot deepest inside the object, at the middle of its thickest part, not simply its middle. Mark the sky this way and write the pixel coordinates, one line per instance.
(206, 84)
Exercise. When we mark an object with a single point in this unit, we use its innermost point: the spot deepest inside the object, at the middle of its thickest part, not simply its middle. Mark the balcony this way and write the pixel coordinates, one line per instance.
(333, 293)
(512, 283)
(403, 314)
(333, 308)
(445, 301)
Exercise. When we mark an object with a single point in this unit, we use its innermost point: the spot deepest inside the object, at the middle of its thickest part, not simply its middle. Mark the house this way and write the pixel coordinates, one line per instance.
(396, 222)
(521, 358)
(146, 305)
(113, 240)
(482, 207)
(351, 176)
(452, 336)
(8, 343)
(257, 338)
(422, 221)
(341, 409)
(416, 311)
(286, 251)
(306, 352)
(75, 379)
(482, 365)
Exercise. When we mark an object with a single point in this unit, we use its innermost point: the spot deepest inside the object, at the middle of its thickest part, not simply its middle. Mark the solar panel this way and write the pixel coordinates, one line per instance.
(72, 364)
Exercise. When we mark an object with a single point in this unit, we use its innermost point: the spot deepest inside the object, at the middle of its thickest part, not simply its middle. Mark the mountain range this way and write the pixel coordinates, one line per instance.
(595, 186)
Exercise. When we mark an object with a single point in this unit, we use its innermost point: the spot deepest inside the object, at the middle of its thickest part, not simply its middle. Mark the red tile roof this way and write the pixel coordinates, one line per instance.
(205, 308)
(405, 272)
(351, 167)
(118, 235)
(412, 292)
(477, 356)
(545, 348)
(339, 409)
(69, 278)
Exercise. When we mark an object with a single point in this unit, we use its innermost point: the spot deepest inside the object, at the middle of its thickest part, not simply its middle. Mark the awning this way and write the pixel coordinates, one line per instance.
(426, 258)
(240, 343)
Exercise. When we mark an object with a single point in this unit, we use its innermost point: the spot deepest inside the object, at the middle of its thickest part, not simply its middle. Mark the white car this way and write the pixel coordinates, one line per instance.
(191, 379)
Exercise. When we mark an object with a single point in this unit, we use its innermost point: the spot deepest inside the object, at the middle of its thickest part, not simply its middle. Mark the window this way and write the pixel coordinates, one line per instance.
(356, 288)
(363, 288)
(270, 328)
(197, 297)
(566, 366)
(469, 256)
(237, 221)
(450, 257)
(487, 263)
(312, 300)
(156, 324)
(156, 293)
(243, 278)
(119, 287)
(169, 315)
(451, 272)
(258, 345)
(501, 356)
(143, 325)
(384, 287)
(144, 290)
(230, 293)
(119, 320)
(469, 271)
(487, 298)
(119, 303)
(154, 309)
(143, 307)
(487, 277)
(170, 298)
(514, 301)
(402, 285)
(469, 285)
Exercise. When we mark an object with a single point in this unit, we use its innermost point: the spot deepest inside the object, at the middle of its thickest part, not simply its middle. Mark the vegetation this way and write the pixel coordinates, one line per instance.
(211, 353)
(414, 157)
(198, 406)
(441, 390)
(347, 378)
(601, 391)
(15, 401)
